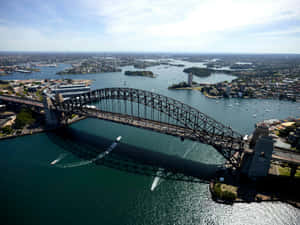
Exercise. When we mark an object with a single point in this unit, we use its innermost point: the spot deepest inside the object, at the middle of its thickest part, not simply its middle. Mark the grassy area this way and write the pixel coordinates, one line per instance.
(285, 171)
(39, 95)
(24, 117)
(225, 192)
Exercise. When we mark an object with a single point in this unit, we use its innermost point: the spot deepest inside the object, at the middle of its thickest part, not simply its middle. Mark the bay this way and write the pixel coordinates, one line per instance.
(34, 192)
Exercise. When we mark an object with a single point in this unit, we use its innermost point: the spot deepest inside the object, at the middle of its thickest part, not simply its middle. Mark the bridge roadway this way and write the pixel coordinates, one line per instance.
(278, 154)
(160, 127)
(285, 156)
(19, 100)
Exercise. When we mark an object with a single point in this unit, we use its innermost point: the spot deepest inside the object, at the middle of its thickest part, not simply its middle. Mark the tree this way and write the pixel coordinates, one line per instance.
(24, 117)
(7, 130)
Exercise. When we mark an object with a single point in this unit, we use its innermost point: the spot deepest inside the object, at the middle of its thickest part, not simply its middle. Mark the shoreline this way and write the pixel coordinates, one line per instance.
(221, 97)
(258, 198)
(39, 130)
(198, 88)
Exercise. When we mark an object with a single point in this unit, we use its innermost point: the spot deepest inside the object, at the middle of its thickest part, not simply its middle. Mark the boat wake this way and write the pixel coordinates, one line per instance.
(87, 162)
(76, 164)
(157, 180)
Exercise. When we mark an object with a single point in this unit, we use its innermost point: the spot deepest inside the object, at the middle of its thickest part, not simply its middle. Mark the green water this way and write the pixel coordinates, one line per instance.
(34, 192)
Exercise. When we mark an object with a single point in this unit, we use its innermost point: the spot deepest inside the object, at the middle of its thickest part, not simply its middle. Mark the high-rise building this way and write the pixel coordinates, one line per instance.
(190, 79)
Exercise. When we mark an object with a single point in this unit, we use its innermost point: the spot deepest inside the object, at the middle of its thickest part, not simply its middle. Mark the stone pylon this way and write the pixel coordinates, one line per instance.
(51, 117)
(260, 131)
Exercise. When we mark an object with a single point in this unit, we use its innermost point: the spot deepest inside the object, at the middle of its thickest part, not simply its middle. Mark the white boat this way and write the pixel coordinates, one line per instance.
(54, 161)
(118, 139)
(89, 106)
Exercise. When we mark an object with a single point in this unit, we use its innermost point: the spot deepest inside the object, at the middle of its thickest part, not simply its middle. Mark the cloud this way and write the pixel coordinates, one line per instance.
(155, 25)
(279, 33)
(189, 17)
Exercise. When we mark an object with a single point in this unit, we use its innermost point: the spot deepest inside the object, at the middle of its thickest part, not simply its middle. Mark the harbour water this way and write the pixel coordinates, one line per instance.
(33, 191)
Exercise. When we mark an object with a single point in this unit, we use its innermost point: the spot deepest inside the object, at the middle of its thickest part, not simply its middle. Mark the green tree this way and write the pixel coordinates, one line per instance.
(24, 117)
(7, 130)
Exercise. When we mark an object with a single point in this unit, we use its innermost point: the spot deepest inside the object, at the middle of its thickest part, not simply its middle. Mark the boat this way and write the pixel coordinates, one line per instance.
(54, 161)
(118, 139)
(89, 106)
(23, 71)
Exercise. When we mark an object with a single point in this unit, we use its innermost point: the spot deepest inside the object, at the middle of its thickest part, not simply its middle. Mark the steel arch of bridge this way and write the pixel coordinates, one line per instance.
(201, 127)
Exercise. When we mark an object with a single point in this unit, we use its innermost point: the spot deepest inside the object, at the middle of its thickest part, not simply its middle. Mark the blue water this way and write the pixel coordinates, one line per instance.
(34, 192)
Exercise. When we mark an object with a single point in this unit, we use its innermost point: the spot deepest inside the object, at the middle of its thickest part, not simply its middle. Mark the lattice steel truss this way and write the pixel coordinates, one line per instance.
(190, 122)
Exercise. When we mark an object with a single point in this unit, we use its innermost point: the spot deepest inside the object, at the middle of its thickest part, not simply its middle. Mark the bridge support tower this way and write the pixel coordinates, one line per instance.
(52, 118)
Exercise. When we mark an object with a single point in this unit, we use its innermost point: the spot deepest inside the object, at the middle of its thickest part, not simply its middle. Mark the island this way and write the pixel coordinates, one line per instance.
(142, 73)
(199, 72)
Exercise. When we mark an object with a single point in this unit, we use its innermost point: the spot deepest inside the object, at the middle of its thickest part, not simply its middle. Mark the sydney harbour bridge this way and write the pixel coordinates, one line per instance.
(147, 110)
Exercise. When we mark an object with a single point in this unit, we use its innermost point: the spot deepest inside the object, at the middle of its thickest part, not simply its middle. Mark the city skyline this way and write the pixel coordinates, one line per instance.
(135, 26)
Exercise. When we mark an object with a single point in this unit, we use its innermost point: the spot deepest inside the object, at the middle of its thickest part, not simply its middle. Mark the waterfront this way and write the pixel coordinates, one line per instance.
(36, 192)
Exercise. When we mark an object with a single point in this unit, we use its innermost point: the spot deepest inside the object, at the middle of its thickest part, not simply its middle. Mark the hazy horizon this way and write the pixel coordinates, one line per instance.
(145, 52)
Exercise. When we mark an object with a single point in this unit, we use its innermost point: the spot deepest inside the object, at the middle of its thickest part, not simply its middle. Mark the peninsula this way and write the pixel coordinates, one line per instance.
(142, 73)
(90, 66)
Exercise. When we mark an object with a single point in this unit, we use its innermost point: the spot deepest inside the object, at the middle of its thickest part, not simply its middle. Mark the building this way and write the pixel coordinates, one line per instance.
(33, 88)
(68, 91)
(190, 79)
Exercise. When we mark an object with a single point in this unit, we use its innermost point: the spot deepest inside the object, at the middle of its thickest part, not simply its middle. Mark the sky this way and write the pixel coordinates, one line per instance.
(195, 26)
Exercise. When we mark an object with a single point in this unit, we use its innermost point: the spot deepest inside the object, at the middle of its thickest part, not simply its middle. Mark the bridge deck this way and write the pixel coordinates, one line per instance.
(157, 126)
(282, 156)
(20, 100)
